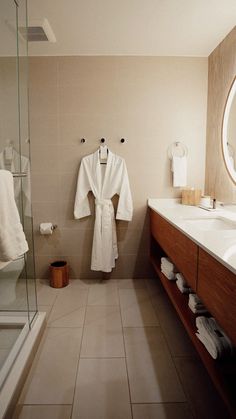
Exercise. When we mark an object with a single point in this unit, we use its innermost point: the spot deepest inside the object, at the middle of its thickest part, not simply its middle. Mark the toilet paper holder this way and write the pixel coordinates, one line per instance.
(47, 228)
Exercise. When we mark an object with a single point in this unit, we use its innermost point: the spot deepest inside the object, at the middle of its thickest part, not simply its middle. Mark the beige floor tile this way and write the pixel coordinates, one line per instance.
(74, 283)
(102, 342)
(102, 390)
(66, 315)
(46, 309)
(52, 377)
(69, 308)
(151, 371)
(136, 308)
(128, 297)
(178, 341)
(103, 316)
(43, 412)
(201, 394)
(74, 295)
(131, 283)
(103, 294)
(161, 411)
(154, 286)
(46, 295)
(3, 356)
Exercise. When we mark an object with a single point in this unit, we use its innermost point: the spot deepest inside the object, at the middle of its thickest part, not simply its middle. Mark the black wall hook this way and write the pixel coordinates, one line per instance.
(122, 140)
(82, 140)
(102, 140)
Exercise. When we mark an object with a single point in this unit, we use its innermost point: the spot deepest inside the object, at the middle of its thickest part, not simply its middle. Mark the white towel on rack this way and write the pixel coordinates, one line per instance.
(179, 169)
(12, 238)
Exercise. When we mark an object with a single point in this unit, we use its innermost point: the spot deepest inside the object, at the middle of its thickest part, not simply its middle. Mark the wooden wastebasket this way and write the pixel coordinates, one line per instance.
(59, 274)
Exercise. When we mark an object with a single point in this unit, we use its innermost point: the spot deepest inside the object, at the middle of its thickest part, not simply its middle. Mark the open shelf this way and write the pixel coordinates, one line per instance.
(222, 372)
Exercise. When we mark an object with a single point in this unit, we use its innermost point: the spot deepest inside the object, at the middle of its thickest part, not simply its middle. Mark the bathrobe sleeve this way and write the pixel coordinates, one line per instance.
(82, 208)
(125, 204)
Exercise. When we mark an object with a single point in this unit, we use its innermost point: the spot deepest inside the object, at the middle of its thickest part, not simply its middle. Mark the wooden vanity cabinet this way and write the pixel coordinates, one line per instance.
(214, 284)
(180, 249)
(217, 289)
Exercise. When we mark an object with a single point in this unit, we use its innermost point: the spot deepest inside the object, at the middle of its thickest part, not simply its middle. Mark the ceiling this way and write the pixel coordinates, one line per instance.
(124, 27)
(134, 27)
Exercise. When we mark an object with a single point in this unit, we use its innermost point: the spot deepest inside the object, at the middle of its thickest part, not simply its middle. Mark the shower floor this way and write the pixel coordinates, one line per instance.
(8, 336)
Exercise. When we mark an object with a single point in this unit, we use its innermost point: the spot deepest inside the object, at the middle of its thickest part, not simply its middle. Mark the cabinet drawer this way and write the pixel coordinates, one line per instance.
(180, 249)
(217, 289)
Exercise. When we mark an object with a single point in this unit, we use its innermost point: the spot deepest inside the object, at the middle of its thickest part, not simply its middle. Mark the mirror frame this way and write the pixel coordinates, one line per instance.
(229, 100)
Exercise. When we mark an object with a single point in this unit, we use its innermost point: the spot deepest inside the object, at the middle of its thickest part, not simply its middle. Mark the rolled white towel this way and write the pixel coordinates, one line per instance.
(167, 265)
(213, 337)
(184, 289)
(181, 279)
(194, 300)
(168, 274)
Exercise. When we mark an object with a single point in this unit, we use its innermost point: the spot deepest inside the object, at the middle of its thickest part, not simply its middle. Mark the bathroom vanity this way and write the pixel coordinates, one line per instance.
(202, 245)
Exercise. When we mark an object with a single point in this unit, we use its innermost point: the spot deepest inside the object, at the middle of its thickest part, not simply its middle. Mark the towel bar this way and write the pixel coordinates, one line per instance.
(19, 174)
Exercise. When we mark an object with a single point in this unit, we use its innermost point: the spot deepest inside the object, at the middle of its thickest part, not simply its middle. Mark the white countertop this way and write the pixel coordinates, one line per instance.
(221, 244)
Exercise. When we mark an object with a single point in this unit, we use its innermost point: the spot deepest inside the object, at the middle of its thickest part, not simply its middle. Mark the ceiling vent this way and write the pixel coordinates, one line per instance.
(39, 30)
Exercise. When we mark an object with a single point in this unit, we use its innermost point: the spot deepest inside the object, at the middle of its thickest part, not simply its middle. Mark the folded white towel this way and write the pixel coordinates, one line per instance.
(198, 310)
(185, 289)
(213, 337)
(194, 300)
(168, 274)
(168, 265)
(181, 279)
(179, 169)
(12, 238)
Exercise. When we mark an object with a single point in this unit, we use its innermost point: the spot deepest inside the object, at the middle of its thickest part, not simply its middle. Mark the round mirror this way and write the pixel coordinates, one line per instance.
(229, 132)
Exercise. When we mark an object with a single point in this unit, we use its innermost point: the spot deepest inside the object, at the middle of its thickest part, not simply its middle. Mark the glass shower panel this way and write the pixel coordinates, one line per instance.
(10, 298)
(27, 221)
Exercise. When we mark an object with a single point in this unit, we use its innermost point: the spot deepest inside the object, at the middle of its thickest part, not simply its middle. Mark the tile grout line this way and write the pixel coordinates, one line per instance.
(131, 410)
(77, 366)
(172, 358)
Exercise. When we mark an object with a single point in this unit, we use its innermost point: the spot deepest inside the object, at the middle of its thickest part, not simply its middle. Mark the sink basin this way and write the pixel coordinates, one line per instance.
(210, 223)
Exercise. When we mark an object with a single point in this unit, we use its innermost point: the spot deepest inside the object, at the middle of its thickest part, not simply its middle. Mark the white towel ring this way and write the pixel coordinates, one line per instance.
(177, 149)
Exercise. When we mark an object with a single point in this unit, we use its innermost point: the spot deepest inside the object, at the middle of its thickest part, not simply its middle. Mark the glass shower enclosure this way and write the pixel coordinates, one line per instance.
(18, 302)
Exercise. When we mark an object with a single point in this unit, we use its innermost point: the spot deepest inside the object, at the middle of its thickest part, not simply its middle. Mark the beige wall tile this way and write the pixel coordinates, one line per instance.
(44, 212)
(43, 71)
(45, 158)
(44, 130)
(43, 100)
(45, 187)
(151, 101)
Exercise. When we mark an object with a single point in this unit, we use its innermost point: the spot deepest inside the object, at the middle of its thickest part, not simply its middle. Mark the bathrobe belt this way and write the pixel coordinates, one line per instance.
(104, 213)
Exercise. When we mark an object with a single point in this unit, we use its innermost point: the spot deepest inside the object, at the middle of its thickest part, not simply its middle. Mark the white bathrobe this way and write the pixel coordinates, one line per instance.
(103, 186)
